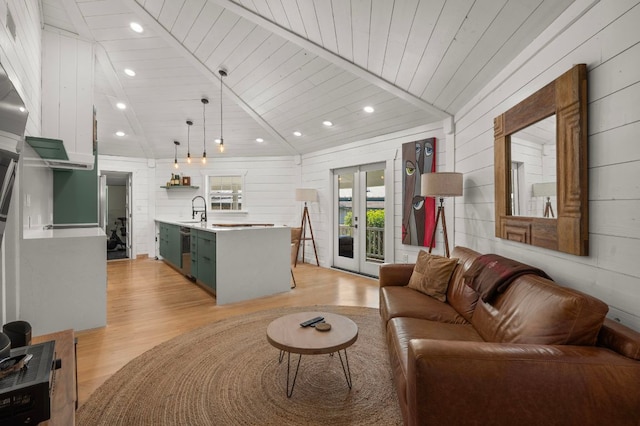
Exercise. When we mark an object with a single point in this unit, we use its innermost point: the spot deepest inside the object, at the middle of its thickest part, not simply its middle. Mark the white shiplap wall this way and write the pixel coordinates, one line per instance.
(21, 59)
(269, 189)
(142, 207)
(605, 35)
(317, 173)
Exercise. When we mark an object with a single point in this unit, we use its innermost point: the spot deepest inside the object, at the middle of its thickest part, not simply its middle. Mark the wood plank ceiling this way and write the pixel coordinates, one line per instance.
(291, 65)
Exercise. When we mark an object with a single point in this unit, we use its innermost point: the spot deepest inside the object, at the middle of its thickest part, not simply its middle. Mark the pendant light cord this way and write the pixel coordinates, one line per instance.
(222, 73)
(204, 101)
(221, 122)
(189, 123)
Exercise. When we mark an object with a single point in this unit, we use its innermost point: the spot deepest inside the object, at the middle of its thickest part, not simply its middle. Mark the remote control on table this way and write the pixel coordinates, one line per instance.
(311, 321)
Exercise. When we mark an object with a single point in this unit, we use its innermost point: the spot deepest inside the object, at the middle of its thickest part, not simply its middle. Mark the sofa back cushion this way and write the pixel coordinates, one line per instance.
(536, 310)
(459, 295)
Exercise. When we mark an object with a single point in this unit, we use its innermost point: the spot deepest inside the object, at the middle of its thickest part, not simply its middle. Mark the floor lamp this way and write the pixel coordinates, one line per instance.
(546, 190)
(306, 195)
(442, 184)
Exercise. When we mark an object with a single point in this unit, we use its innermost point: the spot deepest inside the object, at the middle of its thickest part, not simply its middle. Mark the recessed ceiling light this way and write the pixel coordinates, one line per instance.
(327, 123)
(296, 133)
(217, 141)
(121, 105)
(22, 109)
(129, 72)
(259, 140)
(136, 27)
(368, 109)
(120, 133)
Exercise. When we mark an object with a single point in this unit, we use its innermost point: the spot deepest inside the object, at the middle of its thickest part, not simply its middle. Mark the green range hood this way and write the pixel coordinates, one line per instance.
(54, 154)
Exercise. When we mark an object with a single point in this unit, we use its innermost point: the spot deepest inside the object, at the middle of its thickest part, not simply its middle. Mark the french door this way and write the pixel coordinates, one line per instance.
(359, 207)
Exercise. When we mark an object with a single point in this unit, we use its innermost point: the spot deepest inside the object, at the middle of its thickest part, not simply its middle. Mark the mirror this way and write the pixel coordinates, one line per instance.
(533, 170)
(545, 208)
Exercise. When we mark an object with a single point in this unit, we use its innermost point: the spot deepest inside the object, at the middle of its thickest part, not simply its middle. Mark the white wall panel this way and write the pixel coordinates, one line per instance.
(317, 173)
(268, 196)
(21, 58)
(605, 37)
(142, 202)
(67, 98)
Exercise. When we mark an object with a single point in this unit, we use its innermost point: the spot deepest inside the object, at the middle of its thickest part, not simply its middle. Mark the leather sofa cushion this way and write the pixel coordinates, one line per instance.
(536, 310)
(396, 301)
(459, 295)
(401, 330)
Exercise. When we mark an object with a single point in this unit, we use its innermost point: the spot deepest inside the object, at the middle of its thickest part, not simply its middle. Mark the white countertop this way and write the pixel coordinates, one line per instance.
(40, 233)
(217, 225)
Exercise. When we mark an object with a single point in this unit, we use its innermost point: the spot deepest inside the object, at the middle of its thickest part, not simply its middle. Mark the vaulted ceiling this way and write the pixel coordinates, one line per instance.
(291, 64)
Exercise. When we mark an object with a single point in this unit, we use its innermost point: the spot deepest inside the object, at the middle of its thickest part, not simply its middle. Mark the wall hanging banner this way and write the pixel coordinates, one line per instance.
(418, 212)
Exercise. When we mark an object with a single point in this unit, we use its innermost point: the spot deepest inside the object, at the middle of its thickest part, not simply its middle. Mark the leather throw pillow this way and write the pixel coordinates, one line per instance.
(431, 275)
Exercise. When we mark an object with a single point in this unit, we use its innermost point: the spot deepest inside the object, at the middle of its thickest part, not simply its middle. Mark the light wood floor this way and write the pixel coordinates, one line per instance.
(148, 303)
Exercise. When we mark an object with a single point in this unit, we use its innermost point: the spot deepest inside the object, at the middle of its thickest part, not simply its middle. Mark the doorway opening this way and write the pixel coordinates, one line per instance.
(115, 213)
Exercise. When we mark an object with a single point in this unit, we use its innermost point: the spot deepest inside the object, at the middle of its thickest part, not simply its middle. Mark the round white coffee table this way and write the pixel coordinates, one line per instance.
(286, 334)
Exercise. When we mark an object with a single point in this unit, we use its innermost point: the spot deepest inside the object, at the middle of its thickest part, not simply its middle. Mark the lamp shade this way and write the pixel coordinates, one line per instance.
(547, 189)
(441, 184)
(306, 194)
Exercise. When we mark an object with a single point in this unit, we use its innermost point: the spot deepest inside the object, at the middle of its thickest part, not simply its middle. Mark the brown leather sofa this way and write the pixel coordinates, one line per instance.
(538, 354)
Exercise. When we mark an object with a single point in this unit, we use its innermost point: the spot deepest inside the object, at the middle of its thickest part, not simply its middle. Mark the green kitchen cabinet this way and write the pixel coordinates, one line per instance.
(169, 239)
(203, 257)
(194, 253)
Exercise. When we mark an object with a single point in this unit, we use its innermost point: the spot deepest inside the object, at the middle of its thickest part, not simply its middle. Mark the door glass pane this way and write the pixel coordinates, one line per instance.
(346, 219)
(375, 216)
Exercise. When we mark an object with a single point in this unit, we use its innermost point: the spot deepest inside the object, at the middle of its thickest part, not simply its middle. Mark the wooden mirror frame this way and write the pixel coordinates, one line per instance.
(566, 97)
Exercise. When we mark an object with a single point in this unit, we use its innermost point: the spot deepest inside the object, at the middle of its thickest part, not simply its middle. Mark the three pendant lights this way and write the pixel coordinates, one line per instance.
(204, 101)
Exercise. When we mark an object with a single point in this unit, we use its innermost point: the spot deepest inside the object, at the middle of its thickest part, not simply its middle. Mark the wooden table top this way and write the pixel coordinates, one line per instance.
(285, 333)
(63, 400)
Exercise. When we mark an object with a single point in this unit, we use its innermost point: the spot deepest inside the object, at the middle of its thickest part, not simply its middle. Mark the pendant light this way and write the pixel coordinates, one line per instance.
(223, 73)
(175, 156)
(204, 101)
(189, 124)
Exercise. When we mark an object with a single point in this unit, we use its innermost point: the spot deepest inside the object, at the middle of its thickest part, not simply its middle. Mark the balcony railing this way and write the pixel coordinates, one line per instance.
(375, 244)
(374, 241)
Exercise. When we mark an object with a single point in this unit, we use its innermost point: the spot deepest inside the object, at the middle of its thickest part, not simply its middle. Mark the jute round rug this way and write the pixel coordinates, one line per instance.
(226, 373)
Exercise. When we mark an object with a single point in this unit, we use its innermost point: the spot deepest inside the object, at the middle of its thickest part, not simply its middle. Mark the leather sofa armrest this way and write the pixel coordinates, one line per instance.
(495, 383)
(395, 274)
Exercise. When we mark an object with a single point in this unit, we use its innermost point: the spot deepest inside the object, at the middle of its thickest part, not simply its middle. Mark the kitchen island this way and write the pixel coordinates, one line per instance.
(235, 262)
(64, 278)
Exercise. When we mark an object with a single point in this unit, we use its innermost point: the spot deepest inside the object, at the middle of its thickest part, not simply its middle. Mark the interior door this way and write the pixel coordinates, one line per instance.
(359, 217)
(103, 204)
(129, 224)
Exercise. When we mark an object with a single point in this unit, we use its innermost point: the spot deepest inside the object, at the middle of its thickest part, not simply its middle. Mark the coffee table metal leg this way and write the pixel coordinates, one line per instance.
(281, 357)
(347, 371)
(293, 383)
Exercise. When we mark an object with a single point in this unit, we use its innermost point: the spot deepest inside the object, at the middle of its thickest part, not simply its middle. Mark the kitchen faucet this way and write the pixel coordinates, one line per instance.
(203, 211)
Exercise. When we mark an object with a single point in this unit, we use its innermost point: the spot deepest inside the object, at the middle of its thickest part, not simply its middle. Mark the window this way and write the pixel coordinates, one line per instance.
(224, 192)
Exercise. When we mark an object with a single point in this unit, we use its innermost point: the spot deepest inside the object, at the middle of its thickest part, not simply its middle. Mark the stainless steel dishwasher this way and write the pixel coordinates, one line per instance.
(185, 249)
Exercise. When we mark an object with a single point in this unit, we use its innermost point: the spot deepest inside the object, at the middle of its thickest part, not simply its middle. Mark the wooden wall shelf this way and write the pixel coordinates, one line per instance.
(180, 187)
